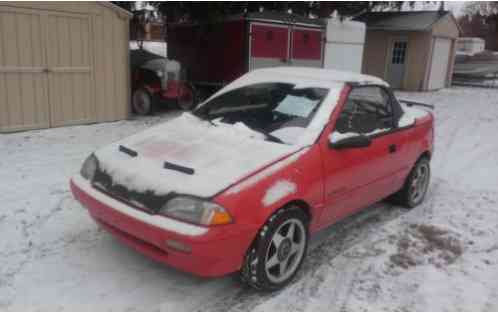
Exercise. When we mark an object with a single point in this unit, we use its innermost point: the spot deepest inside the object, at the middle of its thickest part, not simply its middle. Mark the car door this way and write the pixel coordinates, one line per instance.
(357, 177)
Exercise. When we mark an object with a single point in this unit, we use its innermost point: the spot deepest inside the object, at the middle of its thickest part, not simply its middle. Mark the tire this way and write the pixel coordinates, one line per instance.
(415, 188)
(274, 249)
(142, 102)
(187, 99)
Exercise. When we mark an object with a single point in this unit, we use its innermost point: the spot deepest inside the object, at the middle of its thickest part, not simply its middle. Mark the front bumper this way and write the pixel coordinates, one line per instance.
(215, 251)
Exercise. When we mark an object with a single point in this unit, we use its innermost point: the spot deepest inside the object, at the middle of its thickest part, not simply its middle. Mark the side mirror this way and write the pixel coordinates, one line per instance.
(354, 141)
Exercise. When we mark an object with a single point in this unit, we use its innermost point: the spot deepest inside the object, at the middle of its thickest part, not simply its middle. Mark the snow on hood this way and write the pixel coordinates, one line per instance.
(220, 156)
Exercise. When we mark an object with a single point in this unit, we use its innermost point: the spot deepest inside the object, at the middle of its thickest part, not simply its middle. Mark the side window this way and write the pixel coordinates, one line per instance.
(367, 110)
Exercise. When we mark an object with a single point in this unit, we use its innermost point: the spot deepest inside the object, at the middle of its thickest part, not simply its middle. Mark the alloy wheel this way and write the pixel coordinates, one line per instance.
(285, 250)
(419, 183)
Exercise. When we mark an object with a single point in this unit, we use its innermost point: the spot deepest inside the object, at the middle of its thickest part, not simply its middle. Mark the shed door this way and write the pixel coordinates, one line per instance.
(306, 47)
(439, 63)
(23, 92)
(397, 60)
(269, 45)
(69, 69)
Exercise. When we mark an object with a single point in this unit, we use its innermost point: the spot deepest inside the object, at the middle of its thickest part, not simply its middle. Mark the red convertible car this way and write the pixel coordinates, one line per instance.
(241, 183)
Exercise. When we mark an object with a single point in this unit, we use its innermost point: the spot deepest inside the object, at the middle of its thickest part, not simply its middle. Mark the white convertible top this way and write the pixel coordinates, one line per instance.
(302, 77)
(325, 75)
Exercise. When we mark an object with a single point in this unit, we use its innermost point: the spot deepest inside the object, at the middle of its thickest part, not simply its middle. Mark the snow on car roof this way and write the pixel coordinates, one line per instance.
(325, 75)
(303, 77)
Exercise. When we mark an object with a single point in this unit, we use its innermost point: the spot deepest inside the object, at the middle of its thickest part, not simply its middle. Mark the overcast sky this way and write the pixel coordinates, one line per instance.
(454, 6)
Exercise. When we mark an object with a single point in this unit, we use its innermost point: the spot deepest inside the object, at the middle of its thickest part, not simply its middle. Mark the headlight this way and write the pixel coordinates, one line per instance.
(196, 211)
(159, 74)
(89, 167)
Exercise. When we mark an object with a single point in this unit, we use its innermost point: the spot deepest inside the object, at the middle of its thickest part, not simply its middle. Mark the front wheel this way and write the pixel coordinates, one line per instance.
(278, 252)
(142, 102)
(186, 100)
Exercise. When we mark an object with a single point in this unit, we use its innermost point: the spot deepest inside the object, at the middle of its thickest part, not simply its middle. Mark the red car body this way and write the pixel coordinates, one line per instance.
(331, 184)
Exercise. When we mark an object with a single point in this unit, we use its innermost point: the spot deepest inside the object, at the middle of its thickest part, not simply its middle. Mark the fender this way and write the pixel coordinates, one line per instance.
(152, 89)
(296, 177)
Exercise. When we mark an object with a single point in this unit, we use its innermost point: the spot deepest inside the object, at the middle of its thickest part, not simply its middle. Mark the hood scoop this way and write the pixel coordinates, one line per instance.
(179, 168)
(128, 151)
(167, 165)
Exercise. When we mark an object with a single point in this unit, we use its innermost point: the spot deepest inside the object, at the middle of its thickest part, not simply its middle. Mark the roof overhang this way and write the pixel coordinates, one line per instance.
(416, 28)
(119, 11)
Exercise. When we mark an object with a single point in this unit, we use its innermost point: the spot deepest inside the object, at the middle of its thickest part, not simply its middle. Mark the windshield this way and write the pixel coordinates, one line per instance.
(279, 110)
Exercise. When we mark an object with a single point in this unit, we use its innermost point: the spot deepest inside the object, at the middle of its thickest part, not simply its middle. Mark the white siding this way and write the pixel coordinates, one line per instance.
(439, 63)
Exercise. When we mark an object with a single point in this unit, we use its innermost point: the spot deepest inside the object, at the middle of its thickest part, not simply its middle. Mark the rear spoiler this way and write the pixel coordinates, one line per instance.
(413, 103)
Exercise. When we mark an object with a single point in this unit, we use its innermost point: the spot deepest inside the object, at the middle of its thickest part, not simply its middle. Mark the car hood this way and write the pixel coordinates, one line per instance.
(219, 156)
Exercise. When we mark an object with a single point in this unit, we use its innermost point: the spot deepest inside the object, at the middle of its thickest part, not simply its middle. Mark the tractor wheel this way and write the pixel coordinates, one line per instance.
(142, 102)
(187, 99)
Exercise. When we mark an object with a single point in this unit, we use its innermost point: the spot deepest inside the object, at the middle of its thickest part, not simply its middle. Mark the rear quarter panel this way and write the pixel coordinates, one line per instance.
(414, 142)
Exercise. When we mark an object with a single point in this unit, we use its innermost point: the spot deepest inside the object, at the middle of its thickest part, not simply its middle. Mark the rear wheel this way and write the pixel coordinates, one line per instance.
(416, 185)
(278, 252)
(186, 100)
(142, 102)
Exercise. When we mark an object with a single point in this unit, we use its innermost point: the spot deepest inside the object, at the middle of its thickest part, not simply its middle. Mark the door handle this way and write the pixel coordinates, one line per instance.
(392, 148)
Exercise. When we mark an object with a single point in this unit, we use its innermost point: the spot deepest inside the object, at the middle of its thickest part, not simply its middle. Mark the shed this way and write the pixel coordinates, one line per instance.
(470, 45)
(62, 64)
(218, 52)
(413, 50)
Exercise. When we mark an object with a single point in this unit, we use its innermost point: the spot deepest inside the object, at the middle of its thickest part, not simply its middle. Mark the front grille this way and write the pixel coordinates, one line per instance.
(146, 201)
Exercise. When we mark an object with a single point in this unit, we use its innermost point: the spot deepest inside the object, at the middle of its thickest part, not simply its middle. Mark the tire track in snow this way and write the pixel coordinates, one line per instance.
(440, 163)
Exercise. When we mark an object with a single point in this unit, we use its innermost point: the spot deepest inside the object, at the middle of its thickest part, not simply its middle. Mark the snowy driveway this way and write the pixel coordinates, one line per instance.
(442, 255)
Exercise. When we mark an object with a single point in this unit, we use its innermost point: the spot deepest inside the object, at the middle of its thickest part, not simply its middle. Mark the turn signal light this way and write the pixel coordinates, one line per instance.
(220, 217)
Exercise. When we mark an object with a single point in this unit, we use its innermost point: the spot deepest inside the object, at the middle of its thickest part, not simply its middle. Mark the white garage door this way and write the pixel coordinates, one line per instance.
(439, 64)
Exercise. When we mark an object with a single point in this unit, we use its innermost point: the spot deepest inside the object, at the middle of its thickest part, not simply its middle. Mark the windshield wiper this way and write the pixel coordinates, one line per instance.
(269, 136)
(210, 120)
(205, 117)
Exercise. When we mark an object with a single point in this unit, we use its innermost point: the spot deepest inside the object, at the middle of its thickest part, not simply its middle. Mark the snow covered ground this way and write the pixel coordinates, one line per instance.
(442, 255)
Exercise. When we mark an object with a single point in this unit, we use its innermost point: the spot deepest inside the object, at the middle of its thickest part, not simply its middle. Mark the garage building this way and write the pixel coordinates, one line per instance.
(412, 50)
(62, 64)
